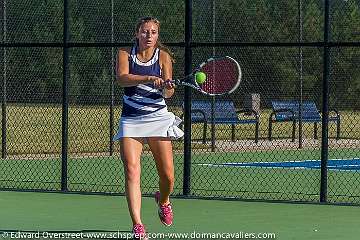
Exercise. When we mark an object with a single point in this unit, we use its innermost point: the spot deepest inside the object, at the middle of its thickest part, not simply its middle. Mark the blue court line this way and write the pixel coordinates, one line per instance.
(334, 164)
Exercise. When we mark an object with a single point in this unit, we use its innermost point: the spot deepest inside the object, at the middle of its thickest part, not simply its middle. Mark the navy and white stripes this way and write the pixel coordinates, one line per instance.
(143, 99)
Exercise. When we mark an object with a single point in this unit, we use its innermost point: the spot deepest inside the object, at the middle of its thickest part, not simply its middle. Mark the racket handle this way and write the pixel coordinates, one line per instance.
(174, 81)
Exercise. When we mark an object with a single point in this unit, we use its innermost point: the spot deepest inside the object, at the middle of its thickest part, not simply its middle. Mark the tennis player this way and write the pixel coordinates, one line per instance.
(142, 71)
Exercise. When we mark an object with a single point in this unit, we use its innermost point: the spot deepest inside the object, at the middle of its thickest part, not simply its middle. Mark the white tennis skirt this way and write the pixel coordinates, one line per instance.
(158, 124)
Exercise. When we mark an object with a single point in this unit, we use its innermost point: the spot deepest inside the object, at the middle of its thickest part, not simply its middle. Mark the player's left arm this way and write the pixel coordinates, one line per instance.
(166, 71)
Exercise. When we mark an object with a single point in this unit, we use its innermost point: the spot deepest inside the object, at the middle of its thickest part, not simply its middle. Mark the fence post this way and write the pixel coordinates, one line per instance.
(112, 97)
(301, 73)
(187, 98)
(3, 102)
(65, 103)
(325, 106)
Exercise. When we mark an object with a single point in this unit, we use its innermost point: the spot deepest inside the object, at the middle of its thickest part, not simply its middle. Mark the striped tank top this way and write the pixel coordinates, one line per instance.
(143, 99)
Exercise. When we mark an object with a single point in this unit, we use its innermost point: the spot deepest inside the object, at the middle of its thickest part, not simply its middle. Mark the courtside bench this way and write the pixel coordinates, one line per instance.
(288, 111)
(224, 113)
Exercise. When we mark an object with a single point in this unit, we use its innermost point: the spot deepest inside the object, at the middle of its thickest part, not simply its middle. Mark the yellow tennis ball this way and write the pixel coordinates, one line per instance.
(200, 78)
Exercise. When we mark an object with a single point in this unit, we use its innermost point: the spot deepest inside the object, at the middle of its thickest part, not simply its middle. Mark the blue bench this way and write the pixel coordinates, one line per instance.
(288, 111)
(224, 113)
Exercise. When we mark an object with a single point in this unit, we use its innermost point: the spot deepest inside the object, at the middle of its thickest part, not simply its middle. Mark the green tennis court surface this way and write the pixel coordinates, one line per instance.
(51, 212)
(273, 175)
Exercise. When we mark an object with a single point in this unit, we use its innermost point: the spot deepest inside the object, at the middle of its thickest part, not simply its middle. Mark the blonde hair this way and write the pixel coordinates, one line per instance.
(159, 45)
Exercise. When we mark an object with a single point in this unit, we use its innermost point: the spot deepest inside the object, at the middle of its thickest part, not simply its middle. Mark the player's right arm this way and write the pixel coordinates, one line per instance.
(124, 78)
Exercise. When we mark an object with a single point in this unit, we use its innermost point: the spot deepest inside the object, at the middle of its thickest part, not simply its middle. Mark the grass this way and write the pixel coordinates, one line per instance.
(37, 129)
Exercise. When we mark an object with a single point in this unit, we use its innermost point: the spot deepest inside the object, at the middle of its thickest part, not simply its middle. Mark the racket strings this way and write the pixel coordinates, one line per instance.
(222, 76)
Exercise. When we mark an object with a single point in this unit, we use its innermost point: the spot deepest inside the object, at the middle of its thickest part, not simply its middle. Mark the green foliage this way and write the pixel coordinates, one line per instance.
(36, 74)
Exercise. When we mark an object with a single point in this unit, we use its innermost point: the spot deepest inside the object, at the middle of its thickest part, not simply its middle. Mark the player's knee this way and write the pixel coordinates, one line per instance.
(132, 172)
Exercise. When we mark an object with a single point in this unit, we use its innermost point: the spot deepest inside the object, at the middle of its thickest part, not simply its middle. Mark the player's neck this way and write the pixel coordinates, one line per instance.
(144, 54)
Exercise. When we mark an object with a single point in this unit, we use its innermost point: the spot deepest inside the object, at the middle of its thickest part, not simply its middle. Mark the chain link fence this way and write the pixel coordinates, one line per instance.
(280, 47)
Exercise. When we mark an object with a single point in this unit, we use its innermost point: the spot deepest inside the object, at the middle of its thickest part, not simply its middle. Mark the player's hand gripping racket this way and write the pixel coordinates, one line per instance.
(216, 76)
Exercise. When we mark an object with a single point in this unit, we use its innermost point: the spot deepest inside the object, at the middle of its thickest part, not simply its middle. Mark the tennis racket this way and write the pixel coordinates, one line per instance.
(223, 76)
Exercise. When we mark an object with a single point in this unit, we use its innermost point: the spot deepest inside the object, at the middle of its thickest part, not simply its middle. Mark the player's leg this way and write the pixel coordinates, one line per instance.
(163, 155)
(130, 149)
(162, 152)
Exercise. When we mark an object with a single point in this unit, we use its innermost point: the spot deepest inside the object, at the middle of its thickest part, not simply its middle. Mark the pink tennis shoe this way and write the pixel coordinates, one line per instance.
(165, 211)
(139, 232)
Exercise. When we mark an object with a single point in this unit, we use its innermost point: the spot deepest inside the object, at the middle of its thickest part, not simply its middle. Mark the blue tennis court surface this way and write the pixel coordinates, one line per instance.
(334, 164)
